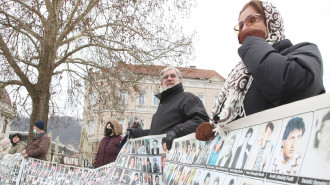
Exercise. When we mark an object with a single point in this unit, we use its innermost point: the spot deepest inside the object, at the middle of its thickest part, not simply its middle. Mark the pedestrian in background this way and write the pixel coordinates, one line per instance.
(18, 145)
(109, 145)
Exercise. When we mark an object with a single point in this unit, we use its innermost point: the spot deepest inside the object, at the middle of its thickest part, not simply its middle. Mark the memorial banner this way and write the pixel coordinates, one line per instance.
(285, 145)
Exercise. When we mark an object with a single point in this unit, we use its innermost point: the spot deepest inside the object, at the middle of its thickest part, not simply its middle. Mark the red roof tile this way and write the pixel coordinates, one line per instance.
(187, 72)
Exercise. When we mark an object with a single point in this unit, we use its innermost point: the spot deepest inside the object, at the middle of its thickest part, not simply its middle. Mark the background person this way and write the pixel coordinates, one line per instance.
(136, 124)
(179, 113)
(272, 72)
(6, 145)
(18, 145)
(109, 145)
(38, 146)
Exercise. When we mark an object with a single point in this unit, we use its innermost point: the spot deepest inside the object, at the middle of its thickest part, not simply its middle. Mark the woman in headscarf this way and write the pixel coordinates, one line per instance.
(272, 72)
(6, 145)
(109, 145)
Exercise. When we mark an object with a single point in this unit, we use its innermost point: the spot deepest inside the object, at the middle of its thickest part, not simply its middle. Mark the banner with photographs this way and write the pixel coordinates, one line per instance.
(141, 161)
(44, 172)
(10, 166)
(285, 145)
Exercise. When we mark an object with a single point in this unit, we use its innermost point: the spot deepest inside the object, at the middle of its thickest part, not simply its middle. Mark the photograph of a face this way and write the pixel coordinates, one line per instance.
(227, 153)
(291, 145)
(232, 180)
(244, 146)
(155, 146)
(264, 146)
(217, 178)
(318, 150)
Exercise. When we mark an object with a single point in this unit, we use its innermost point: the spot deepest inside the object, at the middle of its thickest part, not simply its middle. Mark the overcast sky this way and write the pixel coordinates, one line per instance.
(216, 43)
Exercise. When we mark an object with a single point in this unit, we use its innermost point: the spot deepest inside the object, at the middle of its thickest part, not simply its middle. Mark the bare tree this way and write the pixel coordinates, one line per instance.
(44, 42)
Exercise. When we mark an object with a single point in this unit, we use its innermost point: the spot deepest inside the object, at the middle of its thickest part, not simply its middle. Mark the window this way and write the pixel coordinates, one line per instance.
(155, 100)
(201, 97)
(216, 96)
(123, 97)
(4, 127)
(92, 98)
(90, 127)
(141, 98)
(122, 123)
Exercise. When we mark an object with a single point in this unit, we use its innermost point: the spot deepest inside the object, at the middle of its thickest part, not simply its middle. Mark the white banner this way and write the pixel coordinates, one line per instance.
(285, 145)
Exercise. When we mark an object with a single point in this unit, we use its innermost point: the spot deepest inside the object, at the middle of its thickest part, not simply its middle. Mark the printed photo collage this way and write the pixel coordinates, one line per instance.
(141, 161)
(43, 172)
(288, 150)
(10, 166)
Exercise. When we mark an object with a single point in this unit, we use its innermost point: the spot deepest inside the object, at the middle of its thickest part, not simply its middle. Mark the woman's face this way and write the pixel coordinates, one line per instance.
(258, 25)
(108, 126)
(15, 139)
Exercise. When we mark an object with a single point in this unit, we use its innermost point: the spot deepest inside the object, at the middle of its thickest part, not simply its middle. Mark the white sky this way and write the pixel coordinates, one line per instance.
(216, 42)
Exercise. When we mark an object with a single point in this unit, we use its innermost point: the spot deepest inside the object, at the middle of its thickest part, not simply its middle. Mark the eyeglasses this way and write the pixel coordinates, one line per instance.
(171, 75)
(249, 21)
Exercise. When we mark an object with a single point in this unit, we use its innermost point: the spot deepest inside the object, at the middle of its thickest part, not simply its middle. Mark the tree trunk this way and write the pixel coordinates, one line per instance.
(40, 110)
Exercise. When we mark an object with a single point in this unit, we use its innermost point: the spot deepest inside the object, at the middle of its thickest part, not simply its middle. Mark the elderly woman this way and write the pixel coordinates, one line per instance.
(18, 145)
(109, 145)
(6, 145)
(272, 72)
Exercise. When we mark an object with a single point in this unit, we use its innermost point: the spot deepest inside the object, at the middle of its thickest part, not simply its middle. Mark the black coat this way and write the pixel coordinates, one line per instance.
(281, 73)
(178, 110)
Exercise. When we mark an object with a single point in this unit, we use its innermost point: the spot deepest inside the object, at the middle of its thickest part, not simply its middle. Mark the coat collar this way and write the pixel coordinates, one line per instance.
(170, 92)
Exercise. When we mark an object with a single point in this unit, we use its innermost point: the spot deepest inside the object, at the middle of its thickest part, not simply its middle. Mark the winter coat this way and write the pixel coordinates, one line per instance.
(178, 110)
(6, 150)
(17, 148)
(108, 150)
(282, 72)
(38, 147)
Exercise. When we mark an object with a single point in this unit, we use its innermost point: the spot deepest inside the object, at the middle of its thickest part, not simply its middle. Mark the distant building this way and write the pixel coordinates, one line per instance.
(7, 113)
(205, 84)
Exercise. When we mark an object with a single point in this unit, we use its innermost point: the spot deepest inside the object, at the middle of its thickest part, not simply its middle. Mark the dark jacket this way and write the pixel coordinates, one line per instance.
(38, 146)
(281, 73)
(108, 150)
(178, 110)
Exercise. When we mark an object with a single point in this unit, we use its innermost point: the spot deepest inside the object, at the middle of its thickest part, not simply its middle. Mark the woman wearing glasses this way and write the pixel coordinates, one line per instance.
(272, 72)
(109, 145)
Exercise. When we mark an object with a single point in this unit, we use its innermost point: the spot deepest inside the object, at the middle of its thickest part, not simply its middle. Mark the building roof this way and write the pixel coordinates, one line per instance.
(4, 96)
(187, 72)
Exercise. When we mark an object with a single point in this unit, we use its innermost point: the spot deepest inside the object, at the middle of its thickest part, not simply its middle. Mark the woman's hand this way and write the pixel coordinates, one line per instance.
(205, 132)
(250, 32)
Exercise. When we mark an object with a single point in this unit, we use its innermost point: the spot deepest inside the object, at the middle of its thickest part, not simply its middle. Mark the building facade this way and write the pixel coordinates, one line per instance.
(205, 84)
(7, 113)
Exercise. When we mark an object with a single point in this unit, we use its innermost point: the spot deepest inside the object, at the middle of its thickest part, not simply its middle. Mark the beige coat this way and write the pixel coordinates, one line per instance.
(17, 148)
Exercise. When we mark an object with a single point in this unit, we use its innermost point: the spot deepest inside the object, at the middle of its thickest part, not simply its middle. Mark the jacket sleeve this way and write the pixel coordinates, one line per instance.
(295, 70)
(194, 113)
(97, 156)
(20, 147)
(42, 147)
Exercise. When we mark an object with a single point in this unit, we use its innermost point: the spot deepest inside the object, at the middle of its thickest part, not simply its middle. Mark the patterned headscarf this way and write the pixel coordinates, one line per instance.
(230, 101)
(274, 23)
